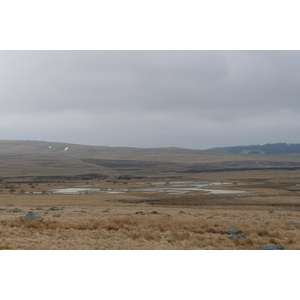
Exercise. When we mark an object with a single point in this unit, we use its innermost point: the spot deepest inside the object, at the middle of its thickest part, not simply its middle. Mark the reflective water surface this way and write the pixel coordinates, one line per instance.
(174, 187)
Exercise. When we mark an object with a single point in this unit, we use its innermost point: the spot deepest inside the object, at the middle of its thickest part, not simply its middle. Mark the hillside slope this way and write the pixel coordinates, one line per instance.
(27, 158)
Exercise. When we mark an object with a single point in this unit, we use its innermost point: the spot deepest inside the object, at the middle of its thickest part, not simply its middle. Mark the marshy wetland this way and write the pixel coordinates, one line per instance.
(148, 209)
(174, 187)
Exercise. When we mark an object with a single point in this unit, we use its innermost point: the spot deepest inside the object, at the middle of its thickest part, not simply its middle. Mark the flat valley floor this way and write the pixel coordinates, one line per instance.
(268, 213)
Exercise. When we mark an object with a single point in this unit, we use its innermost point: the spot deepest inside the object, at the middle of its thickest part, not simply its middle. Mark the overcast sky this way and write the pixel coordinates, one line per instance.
(189, 99)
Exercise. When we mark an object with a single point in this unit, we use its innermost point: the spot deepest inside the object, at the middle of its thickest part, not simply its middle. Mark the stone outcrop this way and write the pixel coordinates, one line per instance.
(31, 216)
(271, 247)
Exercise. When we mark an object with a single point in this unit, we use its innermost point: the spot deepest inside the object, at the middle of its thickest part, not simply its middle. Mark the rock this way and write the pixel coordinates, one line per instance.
(268, 223)
(271, 211)
(211, 217)
(56, 216)
(271, 246)
(168, 216)
(122, 200)
(16, 210)
(295, 224)
(232, 230)
(139, 213)
(182, 212)
(31, 216)
(63, 238)
(39, 208)
(54, 208)
(237, 236)
(154, 212)
(9, 205)
(106, 210)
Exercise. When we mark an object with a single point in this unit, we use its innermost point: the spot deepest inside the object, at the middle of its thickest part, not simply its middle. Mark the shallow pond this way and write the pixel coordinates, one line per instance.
(175, 187)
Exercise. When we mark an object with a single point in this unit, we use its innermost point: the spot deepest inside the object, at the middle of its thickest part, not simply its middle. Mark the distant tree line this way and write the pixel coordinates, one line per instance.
(278, 148)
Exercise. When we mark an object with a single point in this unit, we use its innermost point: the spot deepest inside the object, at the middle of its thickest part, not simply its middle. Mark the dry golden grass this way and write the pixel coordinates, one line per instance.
(99, 231)
(84, 224)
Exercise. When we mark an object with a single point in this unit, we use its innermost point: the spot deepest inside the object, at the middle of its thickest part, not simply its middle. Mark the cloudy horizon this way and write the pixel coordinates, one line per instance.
(149, 99)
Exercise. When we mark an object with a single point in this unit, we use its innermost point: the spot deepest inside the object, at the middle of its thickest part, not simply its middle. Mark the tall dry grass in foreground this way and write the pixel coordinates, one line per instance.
(141, 232)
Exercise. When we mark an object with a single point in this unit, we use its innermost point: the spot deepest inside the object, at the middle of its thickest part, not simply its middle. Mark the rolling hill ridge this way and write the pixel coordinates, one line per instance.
(38, 158)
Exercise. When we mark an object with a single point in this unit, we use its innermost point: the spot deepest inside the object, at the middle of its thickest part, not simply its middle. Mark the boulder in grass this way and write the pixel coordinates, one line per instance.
(294, 224)
(54, 208)
(232, 230)
(237, 236)
(31, 216)
(140, 213)
(271, 246)
(16, 210)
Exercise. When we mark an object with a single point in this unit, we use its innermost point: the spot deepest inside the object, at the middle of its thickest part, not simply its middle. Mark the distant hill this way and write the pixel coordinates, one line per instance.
(38, 158)
(278, 148)
(27, 158)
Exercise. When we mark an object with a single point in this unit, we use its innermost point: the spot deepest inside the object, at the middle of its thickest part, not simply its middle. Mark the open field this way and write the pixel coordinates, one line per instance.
(270, 213)
(119, 182)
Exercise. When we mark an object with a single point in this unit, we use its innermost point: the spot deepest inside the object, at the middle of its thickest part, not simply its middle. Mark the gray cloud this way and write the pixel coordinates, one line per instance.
(193, 99)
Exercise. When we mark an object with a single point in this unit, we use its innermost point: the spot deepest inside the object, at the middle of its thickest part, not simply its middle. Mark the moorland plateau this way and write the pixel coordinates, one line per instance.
(119, 208)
